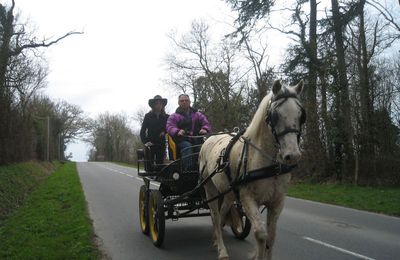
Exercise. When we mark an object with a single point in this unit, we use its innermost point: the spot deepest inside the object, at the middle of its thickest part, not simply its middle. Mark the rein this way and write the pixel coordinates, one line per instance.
(274, 170)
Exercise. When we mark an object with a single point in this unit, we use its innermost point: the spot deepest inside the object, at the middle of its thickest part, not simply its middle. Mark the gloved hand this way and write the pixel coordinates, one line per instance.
(203, 131)
(148, 144)
(181, 132)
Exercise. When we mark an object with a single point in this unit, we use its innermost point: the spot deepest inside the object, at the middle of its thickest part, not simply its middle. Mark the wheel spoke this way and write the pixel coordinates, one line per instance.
(157, 218)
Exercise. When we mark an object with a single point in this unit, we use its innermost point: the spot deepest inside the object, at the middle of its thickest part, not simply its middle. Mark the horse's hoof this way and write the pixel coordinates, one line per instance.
(223, 256)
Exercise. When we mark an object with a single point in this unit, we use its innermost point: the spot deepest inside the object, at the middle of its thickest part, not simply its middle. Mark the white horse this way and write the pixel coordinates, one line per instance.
(271, 138)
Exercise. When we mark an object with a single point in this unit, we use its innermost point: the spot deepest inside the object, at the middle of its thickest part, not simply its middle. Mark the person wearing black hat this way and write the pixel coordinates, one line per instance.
(152, 132)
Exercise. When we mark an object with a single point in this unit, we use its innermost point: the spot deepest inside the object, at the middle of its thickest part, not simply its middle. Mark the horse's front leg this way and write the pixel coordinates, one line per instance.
(211, 192)
(252, 212)
(272, 220)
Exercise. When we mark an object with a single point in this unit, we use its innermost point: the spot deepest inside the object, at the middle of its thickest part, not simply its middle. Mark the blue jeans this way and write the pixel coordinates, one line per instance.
(186, 154)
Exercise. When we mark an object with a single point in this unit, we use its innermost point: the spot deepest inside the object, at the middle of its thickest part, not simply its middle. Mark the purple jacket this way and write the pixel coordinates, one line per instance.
(191, 124)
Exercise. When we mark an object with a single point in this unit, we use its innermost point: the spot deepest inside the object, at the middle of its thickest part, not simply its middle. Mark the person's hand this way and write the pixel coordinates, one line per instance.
(203, 131)
(162, 134)
(148, 144)
(181, 132)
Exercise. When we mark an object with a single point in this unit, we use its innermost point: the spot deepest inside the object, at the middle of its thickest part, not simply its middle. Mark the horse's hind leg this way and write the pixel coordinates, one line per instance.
(211, 192)
(252, 212)
(272, 219)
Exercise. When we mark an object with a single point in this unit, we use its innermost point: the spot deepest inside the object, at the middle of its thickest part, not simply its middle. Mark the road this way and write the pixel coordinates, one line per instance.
(306, 230)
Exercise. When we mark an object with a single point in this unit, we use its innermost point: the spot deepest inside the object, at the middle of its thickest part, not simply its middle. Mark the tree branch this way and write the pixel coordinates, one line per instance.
(383, 11)
(19, 49)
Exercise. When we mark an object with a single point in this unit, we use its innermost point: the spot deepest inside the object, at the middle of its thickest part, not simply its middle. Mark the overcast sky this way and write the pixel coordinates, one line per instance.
(118, 63)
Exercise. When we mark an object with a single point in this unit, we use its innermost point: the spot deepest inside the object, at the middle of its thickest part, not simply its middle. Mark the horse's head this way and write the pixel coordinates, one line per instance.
(285, 117)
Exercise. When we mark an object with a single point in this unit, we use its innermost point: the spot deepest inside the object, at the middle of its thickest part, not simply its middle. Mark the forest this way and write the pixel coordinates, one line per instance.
(347, 53)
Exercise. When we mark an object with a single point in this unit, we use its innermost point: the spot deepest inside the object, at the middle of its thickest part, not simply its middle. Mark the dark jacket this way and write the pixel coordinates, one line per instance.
(153, 125)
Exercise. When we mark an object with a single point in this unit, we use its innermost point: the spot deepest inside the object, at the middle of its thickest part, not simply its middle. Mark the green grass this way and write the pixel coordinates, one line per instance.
(52, 223)
(376, 199)
(17, 181)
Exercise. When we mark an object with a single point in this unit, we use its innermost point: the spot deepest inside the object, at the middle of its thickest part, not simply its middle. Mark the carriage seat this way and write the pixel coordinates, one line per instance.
(172, 148)
(174, 152)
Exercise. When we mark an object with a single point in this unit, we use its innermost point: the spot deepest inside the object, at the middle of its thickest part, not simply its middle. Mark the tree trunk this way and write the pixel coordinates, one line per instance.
(5, 116)
(329, 153)
(344, 151)
(313, 145)
(367, 151)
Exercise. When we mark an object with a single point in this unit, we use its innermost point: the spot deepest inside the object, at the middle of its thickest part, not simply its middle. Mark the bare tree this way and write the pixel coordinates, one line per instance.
(139, 115)
(258, 57)
(209, 72)
(393, 21)
(22, 73)
(70, 123)
(112, 139)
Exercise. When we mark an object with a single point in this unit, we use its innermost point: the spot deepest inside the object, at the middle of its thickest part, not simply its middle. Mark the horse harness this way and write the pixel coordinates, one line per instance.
(276, 168)
(273, 170)
(272, 118)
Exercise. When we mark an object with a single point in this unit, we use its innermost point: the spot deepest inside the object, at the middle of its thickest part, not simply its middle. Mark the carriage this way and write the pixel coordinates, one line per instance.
(240, 173)
(180, 194)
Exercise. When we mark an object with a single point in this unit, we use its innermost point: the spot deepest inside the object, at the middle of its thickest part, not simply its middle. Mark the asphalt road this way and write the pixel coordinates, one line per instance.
(306, 230)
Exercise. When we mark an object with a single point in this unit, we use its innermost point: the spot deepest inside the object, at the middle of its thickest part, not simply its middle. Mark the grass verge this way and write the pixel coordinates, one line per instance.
(17, 181)
(376, 199)
(52, 223)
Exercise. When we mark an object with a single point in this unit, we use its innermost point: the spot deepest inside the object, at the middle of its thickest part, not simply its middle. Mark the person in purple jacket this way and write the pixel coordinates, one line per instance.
(183, 124)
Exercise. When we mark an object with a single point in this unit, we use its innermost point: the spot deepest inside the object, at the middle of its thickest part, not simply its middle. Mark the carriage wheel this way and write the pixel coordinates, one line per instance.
(242, 226)
(143, 209)
(156, 217)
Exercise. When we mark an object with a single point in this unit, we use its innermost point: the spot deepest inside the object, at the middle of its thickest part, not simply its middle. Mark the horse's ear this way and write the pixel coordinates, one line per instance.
(299, 87)
(276, 87)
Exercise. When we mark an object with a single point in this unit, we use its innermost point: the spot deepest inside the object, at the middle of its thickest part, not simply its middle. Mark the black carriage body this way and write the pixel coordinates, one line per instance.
(179, 196)
(173, 183)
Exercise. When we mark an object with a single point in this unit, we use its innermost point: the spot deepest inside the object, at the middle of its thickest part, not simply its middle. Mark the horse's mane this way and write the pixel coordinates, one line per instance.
(259, 117)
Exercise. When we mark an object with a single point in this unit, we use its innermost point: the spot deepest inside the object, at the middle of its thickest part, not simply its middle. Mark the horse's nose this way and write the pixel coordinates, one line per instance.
(287, 158)
(291, 158)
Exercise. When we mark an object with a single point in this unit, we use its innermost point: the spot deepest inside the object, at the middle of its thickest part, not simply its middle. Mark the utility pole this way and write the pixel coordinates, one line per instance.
(48, 139)
(59, 147)
(47, 120)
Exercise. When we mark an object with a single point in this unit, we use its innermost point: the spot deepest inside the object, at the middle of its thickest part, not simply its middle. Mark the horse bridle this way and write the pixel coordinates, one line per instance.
(272, 118)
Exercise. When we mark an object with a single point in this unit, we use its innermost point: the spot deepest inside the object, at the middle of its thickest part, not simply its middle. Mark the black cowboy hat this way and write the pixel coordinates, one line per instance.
(157, 97)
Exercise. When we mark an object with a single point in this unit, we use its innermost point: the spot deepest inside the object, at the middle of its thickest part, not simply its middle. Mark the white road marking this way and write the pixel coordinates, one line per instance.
(155, 184)
(131, 176)
(152, 183)
(338, 248)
